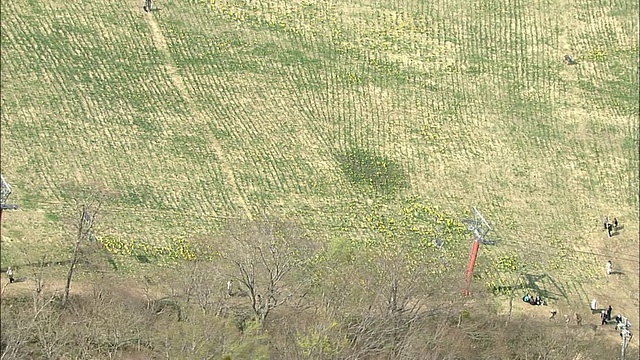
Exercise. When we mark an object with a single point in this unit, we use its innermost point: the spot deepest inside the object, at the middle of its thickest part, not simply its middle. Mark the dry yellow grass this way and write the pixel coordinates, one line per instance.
(192, 116)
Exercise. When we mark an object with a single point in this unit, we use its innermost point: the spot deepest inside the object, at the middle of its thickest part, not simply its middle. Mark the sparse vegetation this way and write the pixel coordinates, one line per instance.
(321, 155)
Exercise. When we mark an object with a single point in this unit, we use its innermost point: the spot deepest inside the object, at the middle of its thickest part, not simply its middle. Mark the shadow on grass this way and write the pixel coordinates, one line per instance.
(533, 283)
(367, 169)
(143, 259)
(28, 265)
(44, 264)
(19, 280)
(113, 264)
(598, 312)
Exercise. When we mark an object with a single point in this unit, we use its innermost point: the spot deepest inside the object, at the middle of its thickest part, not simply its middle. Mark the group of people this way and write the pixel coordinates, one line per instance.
(605, 315)
(147, 5)
(568, 59)
(622, 323)
(533, 300)
(610, 227)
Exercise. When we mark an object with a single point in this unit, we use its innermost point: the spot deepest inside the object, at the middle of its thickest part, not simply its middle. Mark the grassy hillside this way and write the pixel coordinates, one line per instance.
(358, 119)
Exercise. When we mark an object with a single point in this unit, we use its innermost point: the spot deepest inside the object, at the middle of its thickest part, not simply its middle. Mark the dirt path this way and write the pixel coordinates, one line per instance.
(177, 80)
(620, 289)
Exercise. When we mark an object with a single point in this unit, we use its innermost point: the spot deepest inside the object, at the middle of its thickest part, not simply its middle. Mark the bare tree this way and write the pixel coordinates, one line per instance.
(204, 285)
(85, 223)
(262, 256)
(397, 294)
(512, 295)
(22, 327)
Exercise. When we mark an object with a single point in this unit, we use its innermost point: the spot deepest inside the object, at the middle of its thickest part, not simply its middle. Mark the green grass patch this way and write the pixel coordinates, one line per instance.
(364, 169)
(460, 103)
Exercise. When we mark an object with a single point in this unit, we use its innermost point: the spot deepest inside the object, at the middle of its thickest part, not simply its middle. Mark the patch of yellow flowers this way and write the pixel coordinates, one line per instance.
(412, 229)
(176, 249)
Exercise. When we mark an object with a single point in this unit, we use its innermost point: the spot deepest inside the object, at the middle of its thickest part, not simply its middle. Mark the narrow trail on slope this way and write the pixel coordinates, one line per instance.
(161, 44)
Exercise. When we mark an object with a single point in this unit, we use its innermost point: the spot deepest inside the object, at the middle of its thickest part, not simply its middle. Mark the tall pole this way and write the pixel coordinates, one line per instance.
(472, 261)
(625, 333)
(479, 227)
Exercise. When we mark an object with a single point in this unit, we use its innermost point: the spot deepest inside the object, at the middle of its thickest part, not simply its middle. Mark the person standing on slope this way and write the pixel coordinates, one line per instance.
(10, 274)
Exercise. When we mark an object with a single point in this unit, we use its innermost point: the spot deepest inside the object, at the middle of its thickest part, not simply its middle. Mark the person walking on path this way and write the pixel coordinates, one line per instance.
(609, 310)
(609, 267)
(609, 229)
(229, 287)
(603, 316)
(10, 274)
(615, 224)
(605, 222)
(594, 305)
